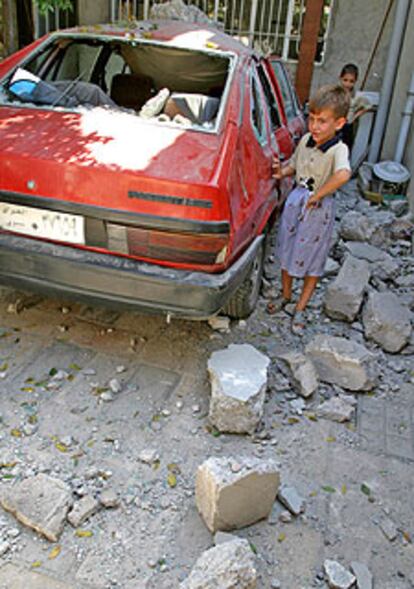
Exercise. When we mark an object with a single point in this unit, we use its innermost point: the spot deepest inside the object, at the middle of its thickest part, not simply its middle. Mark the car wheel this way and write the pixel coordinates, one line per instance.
(243, 301)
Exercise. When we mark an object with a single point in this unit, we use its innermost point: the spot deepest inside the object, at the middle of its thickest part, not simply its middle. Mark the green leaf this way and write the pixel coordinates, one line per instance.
(328, 489)
(53, 371)
(365, 489)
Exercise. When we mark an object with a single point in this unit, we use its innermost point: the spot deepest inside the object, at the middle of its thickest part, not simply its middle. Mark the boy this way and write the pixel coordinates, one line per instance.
(321, 166)
(359, 105)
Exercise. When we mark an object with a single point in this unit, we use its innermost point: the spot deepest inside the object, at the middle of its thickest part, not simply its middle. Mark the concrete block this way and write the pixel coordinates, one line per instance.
(343, 297)
(226, 566)
(233, 493)
(343, 362)
(302, 371)
(387, 321)
(238, 377)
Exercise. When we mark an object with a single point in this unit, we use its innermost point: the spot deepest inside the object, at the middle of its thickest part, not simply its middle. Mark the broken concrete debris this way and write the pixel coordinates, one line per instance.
(336, 409)
(387, 321)
(229, 498)
(343, 296)
(337, 575)
(238, 377)
(343, 362)
(82, 510)
(362, 574)
(226, 566)
(41, 503)
(302, 371)
(290, 498)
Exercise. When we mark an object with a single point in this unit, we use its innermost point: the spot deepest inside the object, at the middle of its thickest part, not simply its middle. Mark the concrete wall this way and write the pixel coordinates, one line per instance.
(95, 12)
(405, 70)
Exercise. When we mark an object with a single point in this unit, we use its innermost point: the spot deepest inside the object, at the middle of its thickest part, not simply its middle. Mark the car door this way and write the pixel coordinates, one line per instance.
(281, 139)
(294, 115)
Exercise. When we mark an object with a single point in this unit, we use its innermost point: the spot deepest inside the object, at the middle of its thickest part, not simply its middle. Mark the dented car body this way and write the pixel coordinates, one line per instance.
(135, 167)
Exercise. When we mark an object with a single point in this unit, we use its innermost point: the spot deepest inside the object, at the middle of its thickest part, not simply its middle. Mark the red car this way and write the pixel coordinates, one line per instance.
(135, 167)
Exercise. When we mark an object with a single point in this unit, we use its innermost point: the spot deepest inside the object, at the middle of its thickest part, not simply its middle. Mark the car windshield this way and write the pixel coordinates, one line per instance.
(156, 82)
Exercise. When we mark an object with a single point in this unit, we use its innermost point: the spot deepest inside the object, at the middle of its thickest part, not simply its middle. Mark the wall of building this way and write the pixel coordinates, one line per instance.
(90, 13)
(405, 71)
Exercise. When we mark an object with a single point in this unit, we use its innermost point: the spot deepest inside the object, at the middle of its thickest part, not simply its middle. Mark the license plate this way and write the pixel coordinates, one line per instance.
(42, 223)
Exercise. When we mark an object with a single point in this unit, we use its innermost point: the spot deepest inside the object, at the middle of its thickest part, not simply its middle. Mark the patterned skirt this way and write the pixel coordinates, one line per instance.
(304, 236)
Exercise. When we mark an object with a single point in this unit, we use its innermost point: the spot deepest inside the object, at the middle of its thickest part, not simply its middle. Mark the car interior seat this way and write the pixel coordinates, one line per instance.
(131, 90)
(198, 108)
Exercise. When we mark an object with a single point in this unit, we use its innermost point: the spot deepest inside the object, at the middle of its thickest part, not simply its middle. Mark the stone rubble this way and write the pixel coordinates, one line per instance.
(82, 510)
(342, 362)
(302, 371)
(344, 295)
(238, 377)
(364, 579)
(290, 498)
(226, 566)
(232, 494)
(338, 577)
(40, 503)
(387, 321)
(178, 10)
(336, 409)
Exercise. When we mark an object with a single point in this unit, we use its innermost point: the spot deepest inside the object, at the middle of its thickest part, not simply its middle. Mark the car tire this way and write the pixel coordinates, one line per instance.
(243, 302)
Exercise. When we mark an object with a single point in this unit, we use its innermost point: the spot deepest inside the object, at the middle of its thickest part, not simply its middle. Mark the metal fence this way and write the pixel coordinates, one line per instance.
(269, 25)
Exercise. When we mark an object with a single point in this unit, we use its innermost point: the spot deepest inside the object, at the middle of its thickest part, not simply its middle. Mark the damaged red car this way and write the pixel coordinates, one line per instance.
(135, 167)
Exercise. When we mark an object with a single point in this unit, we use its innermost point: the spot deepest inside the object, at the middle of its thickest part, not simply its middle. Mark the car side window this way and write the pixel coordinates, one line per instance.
(287, 93)
(270, 98)
(256, 109)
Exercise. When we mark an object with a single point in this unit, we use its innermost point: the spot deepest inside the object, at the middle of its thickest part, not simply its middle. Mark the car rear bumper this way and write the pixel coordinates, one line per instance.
(122, 282)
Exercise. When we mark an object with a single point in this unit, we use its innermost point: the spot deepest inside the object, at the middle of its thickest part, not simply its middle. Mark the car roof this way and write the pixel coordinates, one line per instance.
(173, 32)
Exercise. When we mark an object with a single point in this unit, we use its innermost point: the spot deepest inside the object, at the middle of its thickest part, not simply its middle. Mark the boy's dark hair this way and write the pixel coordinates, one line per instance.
(333, 97)
(350, 68)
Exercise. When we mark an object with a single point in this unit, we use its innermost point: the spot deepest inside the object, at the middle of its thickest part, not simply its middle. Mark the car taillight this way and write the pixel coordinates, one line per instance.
(169, 246)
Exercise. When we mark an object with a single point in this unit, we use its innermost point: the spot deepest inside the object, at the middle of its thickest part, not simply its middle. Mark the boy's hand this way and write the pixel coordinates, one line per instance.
(276, 168)
(313, 202)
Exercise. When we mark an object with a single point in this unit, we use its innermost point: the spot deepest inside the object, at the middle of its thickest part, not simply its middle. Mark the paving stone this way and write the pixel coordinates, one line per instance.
(387, 321)
(303, 372)
(14, 577)
(338, 576)
(343, 362)
(83, 510)
(362, 574)
(343, 296)
(336, 409)
(226, 566)
(291, 499)
(238, 377)
(229, 498)
(331, 267)
(41, 503)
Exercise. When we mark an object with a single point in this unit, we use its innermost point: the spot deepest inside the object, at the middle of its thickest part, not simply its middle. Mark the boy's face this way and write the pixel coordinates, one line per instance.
(348, 81)
(324, 124)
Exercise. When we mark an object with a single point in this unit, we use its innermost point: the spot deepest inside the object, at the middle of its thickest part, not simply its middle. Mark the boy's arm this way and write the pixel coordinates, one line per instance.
(333, 183)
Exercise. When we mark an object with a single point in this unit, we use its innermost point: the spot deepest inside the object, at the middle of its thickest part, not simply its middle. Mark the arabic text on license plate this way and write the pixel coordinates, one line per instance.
(42, 223)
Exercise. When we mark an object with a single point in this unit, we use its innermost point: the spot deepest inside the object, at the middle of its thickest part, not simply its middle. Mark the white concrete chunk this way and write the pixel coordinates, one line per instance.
(355, 227)
(227, 566)
(343, 296)
(303, 372)
(82, 510)
(387, 321)
(41, 503)
(367, 252)
(363, 575)
(343, 362)
(232, 493)
(338, 576)
(238, 377)
(336, 409)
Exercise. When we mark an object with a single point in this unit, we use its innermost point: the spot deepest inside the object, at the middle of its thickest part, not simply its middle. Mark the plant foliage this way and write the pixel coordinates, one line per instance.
(45, 5)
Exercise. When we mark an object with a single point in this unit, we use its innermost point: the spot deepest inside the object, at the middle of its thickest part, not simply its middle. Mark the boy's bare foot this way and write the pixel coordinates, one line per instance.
(298, 323)
(276, 306)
